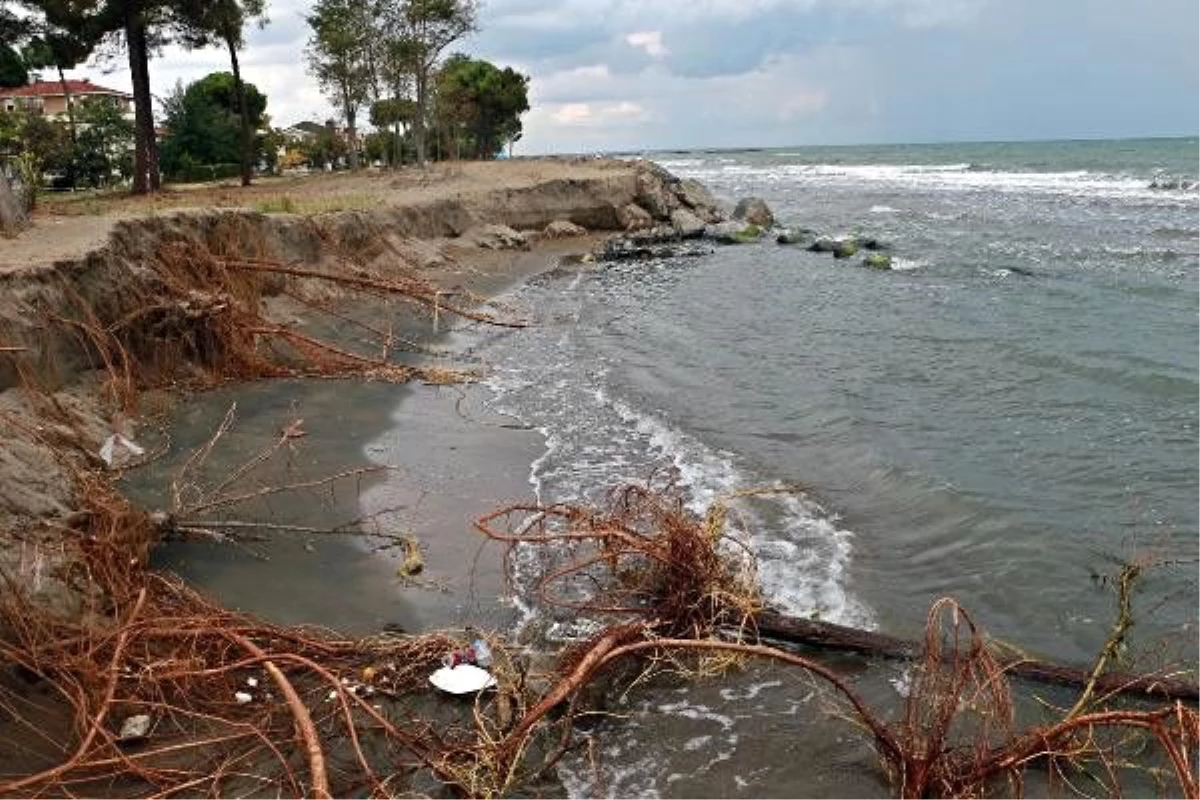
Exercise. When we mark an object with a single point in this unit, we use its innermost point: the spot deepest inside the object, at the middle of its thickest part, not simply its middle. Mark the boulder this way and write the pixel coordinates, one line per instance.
(633, 217)
(653, 195)
(755, 211)
(733, 232)
(498, 237)
(823, 244)
(687, 224)
(563, 229)
(795, 236)
(694, 195)
(845, 248)
(877, 261)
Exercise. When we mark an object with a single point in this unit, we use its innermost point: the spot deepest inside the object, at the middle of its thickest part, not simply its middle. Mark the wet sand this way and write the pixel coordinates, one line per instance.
(445, 461)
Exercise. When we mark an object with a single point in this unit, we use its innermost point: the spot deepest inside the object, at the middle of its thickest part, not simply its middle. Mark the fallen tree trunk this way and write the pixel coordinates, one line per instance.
(830, 636)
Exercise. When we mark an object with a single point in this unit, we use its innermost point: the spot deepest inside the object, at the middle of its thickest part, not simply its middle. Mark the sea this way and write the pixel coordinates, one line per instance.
(1004, 418)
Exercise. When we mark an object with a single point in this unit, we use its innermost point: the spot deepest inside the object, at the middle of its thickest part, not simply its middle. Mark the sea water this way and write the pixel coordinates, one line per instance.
(1004, 418)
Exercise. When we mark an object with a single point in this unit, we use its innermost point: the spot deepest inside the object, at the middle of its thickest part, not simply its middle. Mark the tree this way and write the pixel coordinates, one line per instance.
(422, 30)
(225, 20)
(104, 145)
(393, 113)
(12, 68)
(143, 26)
(204, 121)
(481, 104)
(59, 48)
(339, 56)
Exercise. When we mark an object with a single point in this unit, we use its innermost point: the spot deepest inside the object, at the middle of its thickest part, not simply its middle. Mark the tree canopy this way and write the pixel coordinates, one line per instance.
(340, 57)
(204, 122)
(480, 105)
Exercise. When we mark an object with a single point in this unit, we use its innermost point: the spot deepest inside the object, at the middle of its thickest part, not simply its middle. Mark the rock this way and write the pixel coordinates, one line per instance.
(845, 248)
(662, 241)
(795, 236)
(563, 229)
(755, 211)
(695, 195)
(653, 195)
(134, 729)
(733, 232)
(633, 217)
(823, 244)
(877, 261)
(871, 243)
(498, 237)
(687, 224)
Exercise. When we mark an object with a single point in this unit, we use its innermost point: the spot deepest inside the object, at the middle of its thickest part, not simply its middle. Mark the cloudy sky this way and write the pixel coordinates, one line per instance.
(651, 74)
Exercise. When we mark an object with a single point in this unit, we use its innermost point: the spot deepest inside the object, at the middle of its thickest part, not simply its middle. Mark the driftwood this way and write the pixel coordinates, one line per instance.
(830, 636)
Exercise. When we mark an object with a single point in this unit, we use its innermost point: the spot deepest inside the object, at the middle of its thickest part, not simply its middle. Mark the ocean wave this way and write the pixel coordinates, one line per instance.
(594, 442)
(951, 177)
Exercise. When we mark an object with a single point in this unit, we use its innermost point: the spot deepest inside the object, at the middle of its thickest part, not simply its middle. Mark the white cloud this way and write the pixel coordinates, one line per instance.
(649, 41)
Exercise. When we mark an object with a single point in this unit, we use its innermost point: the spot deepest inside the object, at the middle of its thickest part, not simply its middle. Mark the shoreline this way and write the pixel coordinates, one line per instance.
(438, 231)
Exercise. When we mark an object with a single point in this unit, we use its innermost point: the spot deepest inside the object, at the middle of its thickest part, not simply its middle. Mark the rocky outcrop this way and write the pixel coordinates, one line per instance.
(695, 196)
(563, 229)
(687, 224)
(632, 217)
(877, 261)
(755, 211)
(497, 237)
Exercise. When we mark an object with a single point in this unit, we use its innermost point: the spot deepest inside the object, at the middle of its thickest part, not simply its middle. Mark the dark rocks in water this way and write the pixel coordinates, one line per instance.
(871, 243)
(1170, 182)
(662, 241)
(1022, 271)
(795, 236)
(734, 232)
(755, 211)
(877, 261)
(845, 248)
(823, 244)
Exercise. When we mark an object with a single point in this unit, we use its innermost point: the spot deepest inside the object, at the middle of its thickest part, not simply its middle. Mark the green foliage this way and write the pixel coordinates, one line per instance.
(12, 68)
(42, 144)
(422, 30)
(340, 55)
(480, 105)
(393, 111)
(103, 144)
(326, 149)
(203, 123)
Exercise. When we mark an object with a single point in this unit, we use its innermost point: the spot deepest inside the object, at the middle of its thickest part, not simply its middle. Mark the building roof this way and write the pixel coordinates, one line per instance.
(55, 89)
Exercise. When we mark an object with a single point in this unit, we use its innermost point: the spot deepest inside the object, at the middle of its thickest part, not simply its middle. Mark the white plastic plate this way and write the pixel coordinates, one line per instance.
(462, 679)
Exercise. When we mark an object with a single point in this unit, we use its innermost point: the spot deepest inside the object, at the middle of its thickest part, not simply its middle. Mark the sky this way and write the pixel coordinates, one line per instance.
(633, 75)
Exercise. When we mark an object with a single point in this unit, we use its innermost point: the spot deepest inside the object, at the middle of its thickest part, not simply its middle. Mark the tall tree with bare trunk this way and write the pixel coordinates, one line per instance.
(204, 23)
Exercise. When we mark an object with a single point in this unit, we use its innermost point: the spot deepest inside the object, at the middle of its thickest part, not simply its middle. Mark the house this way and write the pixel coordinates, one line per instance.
(50, 98)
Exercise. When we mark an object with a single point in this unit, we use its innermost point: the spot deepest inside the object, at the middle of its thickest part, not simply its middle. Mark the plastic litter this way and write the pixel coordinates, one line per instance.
(118, 451)
(243, 697)
(462, 679)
